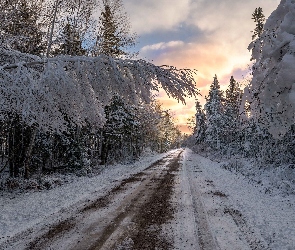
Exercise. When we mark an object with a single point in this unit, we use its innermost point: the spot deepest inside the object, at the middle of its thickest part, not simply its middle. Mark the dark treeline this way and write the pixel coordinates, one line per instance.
(128, 131)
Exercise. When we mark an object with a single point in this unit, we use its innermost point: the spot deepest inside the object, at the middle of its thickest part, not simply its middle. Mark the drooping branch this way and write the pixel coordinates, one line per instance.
(43, 92)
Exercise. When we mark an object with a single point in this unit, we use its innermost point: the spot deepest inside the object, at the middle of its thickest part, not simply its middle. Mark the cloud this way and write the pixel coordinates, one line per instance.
(148, 16)
(207, 58)
(163, 46)
(184, 128)
(210, 36)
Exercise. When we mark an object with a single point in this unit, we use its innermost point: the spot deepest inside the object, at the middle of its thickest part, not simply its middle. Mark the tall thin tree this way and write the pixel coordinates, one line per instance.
(114, 36)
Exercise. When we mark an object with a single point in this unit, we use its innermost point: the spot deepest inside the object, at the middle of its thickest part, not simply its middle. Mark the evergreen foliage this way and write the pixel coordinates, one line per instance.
(20, 27)
(215, 115)
(259, 19)
(232, 103)
(121, 132)
(113, 35)
(71, 42)
(199, 131)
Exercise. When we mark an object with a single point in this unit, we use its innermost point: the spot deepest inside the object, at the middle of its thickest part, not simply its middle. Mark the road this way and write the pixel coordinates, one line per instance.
(167, 206)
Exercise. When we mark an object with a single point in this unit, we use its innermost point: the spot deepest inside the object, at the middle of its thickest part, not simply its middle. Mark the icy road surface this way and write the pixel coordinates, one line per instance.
(179, 201)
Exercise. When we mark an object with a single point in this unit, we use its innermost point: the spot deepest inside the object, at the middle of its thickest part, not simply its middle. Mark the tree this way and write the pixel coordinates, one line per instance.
(215, 115)
(272, 89)
(45, 95)
(200, 129)
(20, 26)
(120, 132)
(71, 42)
(113, 35)
(70, 24)
(191, 123)
(259, 19)
(232, 103)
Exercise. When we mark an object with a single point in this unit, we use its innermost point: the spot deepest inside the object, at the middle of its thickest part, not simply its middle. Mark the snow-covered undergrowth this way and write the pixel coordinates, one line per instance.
(273, 179)
(22, 210)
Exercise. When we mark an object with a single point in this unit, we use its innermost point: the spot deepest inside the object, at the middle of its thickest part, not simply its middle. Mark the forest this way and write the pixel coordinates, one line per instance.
(73, 96)
(92, 158)
(255, 122)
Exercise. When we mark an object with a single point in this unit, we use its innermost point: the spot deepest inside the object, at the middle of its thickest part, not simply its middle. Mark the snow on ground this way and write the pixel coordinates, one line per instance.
(265, 220)
(227, 209)
(274, 179)
(21, 211)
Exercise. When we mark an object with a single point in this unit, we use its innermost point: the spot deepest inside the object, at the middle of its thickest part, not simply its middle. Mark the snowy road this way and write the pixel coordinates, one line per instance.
(181, 201)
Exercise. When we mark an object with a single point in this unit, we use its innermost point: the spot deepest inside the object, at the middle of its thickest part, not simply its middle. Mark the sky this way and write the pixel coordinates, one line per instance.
(211, 36)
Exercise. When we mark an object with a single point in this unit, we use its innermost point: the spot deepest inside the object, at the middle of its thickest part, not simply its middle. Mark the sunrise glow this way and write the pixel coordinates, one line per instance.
(210, 36)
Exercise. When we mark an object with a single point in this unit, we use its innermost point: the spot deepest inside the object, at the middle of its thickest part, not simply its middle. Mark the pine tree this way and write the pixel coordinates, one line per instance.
(259, 19)
(71, 42)
(200, 129)
(215, 115)
(20, 27)
(113, 36)
(232, 104)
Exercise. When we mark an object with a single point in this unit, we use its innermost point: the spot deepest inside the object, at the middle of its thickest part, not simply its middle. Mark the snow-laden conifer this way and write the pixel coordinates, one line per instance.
(200, 129)
(215, 115)
(272, 89)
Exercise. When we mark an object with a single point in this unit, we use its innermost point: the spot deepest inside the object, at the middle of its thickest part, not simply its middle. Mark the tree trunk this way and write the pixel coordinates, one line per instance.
(29, 152)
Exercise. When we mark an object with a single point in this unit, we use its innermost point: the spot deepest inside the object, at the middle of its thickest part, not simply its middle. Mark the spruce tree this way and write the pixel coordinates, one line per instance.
(232, 102)
(121, 131)
(71, 42)
(215, 117)
(259, 19)
(199, 131)
(20, 26)
(114, 35)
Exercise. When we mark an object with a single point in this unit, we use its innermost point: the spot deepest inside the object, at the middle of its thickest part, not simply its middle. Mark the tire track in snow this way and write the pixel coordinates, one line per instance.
(206, 239)
(105, 223)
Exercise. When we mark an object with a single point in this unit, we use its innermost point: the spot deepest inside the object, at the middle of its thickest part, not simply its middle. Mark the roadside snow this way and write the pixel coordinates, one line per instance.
(21, 211)
(263, 219)
(225, 207)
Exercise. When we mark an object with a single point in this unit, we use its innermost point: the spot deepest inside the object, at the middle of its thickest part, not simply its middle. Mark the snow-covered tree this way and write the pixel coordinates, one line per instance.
(46, 95)
(200, 129)
(121, 131)
(20, 26)
(232, 103)
(53, 101)
(168, 133)
(215, 115)
(41, 93)
(272, 89)
(259, 19)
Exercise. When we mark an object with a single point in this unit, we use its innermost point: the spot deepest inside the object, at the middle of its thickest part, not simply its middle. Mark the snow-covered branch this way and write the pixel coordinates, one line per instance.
(44, 92)
(272, 90)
